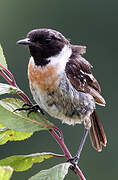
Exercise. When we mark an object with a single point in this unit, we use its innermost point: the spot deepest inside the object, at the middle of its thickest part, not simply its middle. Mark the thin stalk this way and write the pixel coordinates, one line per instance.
(61, 143)
(7, 75)
(4, 75)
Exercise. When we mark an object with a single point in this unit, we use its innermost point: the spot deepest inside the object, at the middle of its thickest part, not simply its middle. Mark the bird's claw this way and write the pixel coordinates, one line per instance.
(73, 160)
(30, 108)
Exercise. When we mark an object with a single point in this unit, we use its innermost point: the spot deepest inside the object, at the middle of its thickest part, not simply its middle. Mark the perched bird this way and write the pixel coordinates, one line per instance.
(62, 83)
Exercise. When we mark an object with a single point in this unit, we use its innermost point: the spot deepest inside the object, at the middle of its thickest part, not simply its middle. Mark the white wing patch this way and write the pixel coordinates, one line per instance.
(90, 75)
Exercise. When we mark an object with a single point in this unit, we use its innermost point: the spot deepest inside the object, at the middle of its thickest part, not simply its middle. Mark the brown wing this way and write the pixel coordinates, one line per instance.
(79, 73)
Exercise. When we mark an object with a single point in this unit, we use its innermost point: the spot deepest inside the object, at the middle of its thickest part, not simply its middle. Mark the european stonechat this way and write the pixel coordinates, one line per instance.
(62, 83)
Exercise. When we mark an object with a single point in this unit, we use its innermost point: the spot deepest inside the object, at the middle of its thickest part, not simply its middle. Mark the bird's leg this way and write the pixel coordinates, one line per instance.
(75, 159)
(30, 108)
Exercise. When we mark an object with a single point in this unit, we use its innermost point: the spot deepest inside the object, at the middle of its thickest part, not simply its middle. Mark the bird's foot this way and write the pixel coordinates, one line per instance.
(30, 108)
(74, 160)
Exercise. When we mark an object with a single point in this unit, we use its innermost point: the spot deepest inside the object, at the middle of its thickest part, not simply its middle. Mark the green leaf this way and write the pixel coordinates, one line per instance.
(8, 89)
(5, 172)
(18, 120)
(11, 135)
(57, 172)
(2, 58)
(24, 162)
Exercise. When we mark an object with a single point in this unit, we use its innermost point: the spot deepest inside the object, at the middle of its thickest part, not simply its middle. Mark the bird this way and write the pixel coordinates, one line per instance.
(62, 83)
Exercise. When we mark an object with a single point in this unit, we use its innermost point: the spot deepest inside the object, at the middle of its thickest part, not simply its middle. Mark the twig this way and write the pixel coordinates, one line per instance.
(60, 141)
(7, 75)
(10, 79)
(64, 148)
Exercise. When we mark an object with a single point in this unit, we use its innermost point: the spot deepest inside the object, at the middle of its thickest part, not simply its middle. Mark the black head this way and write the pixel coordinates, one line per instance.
(44, 43)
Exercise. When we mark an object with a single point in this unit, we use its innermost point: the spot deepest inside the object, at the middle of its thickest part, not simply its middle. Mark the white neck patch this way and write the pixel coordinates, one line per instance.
(62, 58)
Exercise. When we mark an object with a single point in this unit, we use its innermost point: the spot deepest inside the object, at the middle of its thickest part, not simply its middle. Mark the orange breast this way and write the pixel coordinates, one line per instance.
(45, 77)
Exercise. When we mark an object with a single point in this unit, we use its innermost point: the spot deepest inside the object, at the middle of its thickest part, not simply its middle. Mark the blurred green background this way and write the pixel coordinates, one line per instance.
(87, 22)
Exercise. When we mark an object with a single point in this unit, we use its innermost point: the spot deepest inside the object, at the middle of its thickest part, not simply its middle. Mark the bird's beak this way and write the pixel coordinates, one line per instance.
(25, 41)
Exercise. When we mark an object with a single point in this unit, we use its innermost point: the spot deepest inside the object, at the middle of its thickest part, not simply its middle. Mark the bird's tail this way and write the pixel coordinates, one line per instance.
(97, 135)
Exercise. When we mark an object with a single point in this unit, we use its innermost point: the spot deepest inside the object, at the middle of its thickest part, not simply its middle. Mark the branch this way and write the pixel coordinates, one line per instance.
(60, 141)
(64, 148)
(7, 75)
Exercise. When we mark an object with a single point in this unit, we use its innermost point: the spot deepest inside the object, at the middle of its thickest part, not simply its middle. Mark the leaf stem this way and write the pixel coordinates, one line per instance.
(25, 98)
(12, 79)
(4, 75)
(60, 141)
